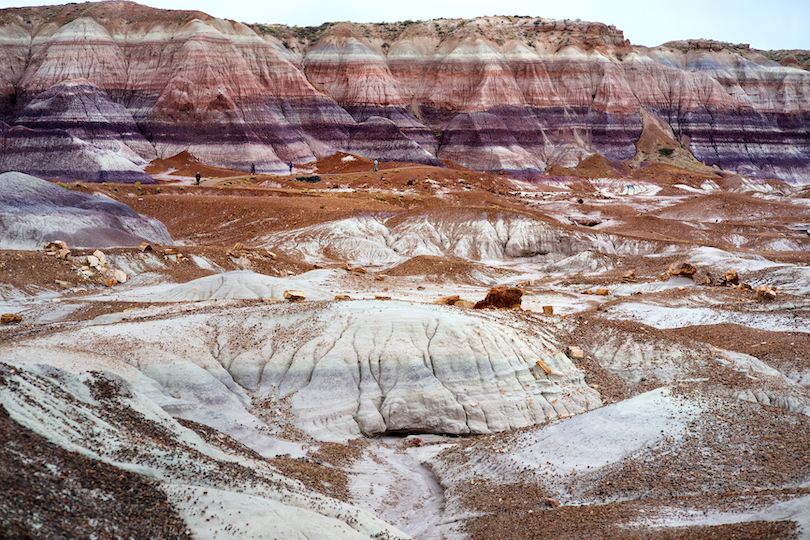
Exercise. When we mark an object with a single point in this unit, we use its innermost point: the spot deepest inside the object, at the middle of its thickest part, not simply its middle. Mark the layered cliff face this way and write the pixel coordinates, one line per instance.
(492, 93)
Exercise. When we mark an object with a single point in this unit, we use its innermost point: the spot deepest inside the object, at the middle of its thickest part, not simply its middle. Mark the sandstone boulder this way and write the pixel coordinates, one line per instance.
(681, 268)
(602, 292)
(766, 294)
(501, 298)
(10, 318)
(548, 310)
(294, 296)
(102, 258)
(731, 277)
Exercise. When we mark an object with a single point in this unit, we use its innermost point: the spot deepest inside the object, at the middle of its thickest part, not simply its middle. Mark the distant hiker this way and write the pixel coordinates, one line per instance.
(375, 165)
(198, 178)
(252, 168)
(291, 166)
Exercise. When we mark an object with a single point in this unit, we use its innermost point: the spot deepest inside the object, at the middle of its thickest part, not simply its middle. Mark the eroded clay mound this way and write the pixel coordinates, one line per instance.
(239, 285)
(33, 212)
(376, 240)
(345, 368)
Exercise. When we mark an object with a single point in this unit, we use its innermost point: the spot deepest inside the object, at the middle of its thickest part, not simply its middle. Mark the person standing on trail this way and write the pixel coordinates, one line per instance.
(375, 165)
(252, 168)
(198, 178)
(291, 166)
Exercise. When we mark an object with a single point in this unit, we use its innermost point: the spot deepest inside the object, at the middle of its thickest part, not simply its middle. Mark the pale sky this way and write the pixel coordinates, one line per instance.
(765, 24)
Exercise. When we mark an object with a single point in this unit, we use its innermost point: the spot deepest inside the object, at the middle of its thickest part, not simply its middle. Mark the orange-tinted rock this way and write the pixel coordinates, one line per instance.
(765, 293)
(682, 269)
(10, 318)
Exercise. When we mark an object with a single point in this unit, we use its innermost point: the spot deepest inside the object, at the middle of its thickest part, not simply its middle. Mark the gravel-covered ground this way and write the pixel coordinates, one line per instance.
(743, 452)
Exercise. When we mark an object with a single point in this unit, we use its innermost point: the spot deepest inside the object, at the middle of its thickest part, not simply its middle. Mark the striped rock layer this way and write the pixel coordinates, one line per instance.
(128, 83)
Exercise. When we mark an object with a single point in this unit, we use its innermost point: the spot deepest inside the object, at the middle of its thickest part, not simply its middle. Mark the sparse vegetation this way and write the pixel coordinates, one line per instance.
(666, 152)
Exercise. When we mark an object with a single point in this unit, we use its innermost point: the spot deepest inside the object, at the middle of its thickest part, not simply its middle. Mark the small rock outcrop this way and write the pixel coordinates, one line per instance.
(57, 248)
(501, 298)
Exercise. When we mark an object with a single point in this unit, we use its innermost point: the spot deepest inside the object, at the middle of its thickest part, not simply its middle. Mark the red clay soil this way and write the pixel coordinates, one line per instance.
(341, 163)
(187, 165)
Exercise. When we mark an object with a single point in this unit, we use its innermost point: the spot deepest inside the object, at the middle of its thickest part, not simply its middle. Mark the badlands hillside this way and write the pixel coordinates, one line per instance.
(570, 301)
(94, 91)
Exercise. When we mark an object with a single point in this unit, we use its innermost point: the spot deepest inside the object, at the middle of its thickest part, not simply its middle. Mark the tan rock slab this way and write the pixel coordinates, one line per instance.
(294, 296)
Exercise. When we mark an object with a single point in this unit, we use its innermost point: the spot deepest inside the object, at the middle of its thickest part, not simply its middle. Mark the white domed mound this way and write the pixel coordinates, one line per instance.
(239, 285)
(343, 368)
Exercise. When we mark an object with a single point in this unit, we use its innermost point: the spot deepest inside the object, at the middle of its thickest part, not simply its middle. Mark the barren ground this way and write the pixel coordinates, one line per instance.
(753, 448)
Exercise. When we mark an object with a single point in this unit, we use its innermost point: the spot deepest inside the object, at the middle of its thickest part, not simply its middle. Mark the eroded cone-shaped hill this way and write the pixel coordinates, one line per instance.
(516, 93)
